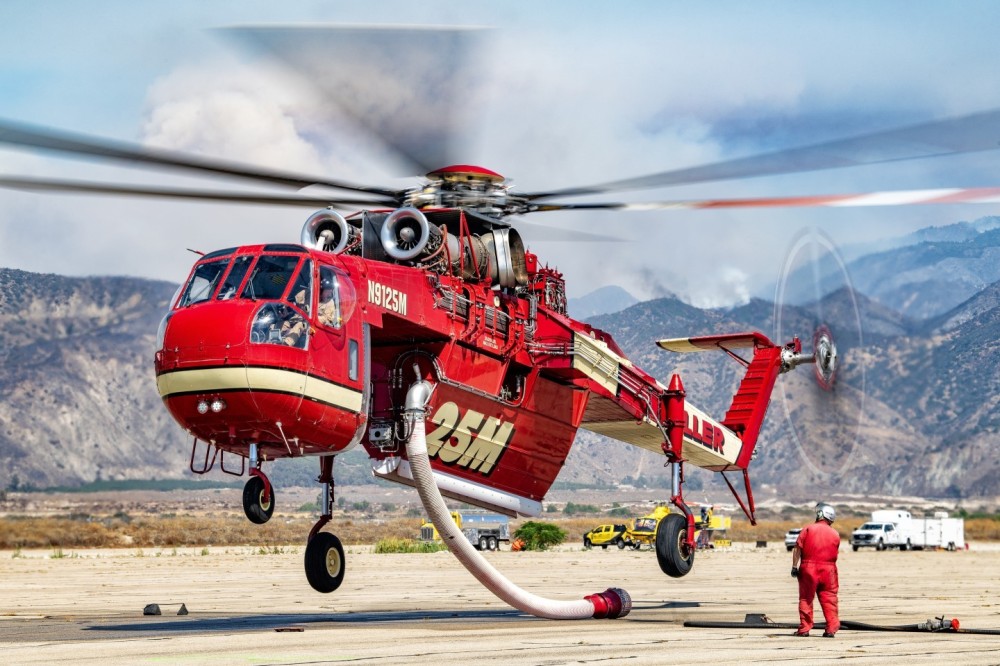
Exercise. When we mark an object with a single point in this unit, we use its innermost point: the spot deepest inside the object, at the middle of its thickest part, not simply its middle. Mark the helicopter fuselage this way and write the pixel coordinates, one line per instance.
(299, 351)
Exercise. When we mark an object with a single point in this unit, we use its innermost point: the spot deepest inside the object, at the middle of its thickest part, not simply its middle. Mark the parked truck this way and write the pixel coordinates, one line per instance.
(484, 530)
(896, 528)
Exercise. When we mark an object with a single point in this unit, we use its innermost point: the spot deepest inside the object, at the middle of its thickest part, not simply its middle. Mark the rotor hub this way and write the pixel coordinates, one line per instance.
(825, 350)
(470, 187)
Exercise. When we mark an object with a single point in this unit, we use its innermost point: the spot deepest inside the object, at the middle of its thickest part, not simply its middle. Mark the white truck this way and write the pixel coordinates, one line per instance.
(896, 528)
(484, 530)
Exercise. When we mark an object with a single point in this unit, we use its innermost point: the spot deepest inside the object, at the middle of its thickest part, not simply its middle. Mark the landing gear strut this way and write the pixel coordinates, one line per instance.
(258, 495)
(324, 560)
(675, 545)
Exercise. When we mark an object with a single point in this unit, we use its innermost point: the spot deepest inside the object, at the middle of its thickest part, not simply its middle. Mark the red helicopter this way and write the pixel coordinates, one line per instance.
(421, 329)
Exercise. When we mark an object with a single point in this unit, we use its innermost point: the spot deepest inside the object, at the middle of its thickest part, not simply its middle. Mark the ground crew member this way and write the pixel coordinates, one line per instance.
(817, 548)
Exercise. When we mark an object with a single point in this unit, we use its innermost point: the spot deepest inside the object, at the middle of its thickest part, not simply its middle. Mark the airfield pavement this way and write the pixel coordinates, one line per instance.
(252, 607)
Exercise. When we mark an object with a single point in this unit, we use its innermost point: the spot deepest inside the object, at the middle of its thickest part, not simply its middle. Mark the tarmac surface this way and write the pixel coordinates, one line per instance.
(254, 606)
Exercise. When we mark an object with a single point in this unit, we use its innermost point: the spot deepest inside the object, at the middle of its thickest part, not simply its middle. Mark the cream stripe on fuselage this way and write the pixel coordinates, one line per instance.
(204, 380)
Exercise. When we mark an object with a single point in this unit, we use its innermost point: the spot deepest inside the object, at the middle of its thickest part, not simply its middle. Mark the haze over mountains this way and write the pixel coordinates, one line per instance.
(914, 413)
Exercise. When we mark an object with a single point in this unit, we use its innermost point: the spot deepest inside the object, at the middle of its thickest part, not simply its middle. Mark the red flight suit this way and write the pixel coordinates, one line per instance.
(819, 544)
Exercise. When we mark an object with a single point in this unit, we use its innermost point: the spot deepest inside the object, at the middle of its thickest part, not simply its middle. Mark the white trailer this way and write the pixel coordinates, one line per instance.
(896, 528)
(937, 531)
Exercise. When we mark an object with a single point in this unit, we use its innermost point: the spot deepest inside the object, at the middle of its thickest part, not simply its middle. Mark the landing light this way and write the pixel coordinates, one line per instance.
(202, 407)
(217, 405)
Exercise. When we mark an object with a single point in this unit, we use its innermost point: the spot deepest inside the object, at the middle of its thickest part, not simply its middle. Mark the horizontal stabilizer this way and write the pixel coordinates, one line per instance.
(710, 342)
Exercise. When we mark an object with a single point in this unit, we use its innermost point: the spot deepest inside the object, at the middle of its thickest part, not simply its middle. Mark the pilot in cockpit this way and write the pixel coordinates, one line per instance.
(328, 311)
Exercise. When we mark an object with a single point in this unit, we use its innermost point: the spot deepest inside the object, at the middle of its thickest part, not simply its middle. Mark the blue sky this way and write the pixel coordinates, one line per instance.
(576, 93)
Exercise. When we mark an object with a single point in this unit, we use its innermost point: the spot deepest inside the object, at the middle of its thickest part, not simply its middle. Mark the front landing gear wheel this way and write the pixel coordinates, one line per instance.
(257, 510)
(672, 551)
(325, 562)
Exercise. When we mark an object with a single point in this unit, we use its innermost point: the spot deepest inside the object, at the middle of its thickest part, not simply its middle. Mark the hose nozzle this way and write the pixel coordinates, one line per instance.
(612, 603)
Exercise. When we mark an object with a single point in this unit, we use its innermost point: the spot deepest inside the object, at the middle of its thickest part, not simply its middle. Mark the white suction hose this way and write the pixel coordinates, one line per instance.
(612, 603)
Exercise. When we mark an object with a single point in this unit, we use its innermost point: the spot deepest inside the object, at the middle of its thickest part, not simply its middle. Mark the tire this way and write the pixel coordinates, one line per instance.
(904, 546)
(483, 543)
(587, 543)
(791, 548)
(621, 544)
(854, 548)
(880, 545)
(254, 507)
(672, 552)
(325, 562)
(492, 544)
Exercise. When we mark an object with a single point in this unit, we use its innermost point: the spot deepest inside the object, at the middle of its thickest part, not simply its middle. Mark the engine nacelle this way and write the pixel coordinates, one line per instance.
(508, 267)
(405, 234)
(327, 230)
(497, 254)
(469, 257)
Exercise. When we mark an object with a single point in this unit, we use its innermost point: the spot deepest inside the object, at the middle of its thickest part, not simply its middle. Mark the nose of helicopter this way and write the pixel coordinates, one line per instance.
(239, 373)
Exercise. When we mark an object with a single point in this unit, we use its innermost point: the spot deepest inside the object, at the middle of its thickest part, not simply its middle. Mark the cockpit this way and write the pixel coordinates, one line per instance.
(283, 279)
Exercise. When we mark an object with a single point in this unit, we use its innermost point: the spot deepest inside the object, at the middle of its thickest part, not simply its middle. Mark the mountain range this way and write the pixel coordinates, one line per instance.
(914, 410)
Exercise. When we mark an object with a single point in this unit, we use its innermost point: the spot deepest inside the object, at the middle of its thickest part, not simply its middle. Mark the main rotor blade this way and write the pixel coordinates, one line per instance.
(887, 198)
(78, 144)
(80, 187)
(966, 134)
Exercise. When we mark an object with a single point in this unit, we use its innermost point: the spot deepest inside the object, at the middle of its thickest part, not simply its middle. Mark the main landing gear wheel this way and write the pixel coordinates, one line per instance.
(254, 506)
(672, 551)
(324, 562)
(815, 301)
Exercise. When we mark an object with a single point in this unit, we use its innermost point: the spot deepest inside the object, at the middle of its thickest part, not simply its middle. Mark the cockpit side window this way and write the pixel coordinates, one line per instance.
(235, 277)
(300, 295)
(270, 276)
(337, 298)
(203, 281)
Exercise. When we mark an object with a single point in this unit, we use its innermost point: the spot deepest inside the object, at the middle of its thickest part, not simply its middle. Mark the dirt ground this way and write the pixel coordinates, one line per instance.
(254, 606)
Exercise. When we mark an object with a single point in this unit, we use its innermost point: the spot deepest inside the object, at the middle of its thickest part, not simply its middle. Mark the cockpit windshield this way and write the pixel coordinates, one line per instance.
(282, 323)
(300, 295)
(286, 283)
(270, 276)
(235, 277)
(203, 282)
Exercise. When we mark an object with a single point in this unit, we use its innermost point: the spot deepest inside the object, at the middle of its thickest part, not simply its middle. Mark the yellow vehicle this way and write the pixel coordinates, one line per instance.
(643, 530)
(605, 535)
(712, 529)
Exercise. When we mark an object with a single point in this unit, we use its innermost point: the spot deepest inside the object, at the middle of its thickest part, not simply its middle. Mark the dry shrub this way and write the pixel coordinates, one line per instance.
(982, 529)
(48, 532)
(191, 530)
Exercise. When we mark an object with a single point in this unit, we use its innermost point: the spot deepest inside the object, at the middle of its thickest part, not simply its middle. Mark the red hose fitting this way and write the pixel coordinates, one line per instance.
(612, 603)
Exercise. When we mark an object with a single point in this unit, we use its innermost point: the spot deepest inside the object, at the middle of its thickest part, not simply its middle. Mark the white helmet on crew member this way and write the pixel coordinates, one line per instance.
(825, 512)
